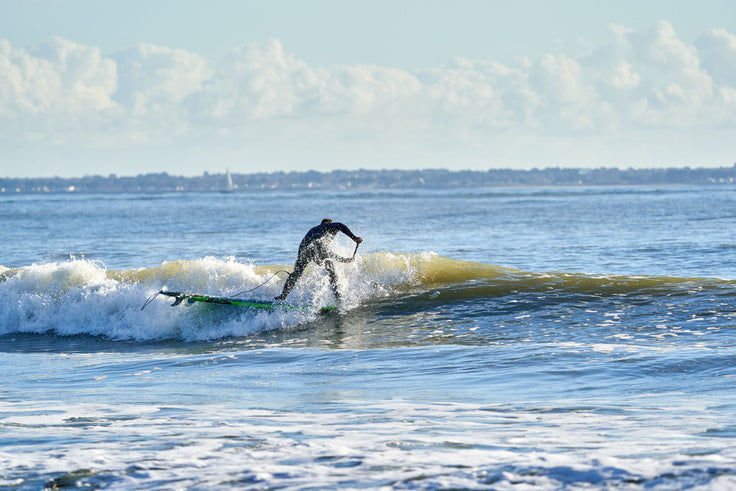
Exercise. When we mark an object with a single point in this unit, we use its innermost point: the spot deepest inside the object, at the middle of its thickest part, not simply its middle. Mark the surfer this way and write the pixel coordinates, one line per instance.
(314, 247)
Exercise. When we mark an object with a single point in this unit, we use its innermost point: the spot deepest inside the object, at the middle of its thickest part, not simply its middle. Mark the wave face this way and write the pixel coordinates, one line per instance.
(81, 297)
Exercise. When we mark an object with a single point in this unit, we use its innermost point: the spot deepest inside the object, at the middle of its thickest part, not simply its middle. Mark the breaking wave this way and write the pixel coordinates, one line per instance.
(82, 297)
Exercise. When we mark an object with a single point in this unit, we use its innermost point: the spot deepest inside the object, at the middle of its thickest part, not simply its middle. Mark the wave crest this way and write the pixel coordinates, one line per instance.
(82, 297)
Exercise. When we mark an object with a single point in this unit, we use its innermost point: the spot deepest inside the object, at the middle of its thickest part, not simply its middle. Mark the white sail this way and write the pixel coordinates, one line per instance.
(230, 187)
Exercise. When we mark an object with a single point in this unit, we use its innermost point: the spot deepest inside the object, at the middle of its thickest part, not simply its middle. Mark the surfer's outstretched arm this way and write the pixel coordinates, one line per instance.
(344, 229)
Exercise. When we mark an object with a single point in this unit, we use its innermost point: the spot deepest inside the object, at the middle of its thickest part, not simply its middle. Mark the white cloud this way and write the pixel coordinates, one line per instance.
(154, 83)
(262, 81)
(717, 52)
(362, 89)
(77, 75)
(58, 86)
(623, 77)
(673, 88)
(569, 101)
(642, 81)
(149, 75)
(483, 95)
(258, 81)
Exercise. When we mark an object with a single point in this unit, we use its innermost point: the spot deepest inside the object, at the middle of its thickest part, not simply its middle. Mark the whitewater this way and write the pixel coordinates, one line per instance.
(532, 338)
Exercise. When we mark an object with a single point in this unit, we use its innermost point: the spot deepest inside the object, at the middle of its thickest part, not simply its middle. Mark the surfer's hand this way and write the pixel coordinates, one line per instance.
(358, 240)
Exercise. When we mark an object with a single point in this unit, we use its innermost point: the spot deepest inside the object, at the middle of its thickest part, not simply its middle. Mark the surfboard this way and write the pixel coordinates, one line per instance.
(241, 302)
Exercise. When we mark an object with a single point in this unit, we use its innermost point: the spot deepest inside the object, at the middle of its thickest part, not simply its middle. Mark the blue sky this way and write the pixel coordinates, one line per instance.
(93, 87)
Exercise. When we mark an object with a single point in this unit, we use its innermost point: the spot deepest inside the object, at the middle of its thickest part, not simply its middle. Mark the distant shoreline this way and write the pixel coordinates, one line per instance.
(364, 180)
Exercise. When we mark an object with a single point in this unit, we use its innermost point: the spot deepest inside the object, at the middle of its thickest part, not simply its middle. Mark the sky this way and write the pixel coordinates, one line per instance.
(93, 87)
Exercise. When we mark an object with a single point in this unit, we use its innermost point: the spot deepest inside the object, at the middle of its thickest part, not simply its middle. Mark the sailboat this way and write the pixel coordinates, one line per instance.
(230, 186)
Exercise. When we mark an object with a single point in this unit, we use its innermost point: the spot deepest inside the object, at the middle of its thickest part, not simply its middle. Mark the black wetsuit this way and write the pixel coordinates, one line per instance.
(314, 247)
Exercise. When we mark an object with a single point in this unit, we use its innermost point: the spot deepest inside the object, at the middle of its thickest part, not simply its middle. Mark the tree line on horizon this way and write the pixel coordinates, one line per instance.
(370, 180)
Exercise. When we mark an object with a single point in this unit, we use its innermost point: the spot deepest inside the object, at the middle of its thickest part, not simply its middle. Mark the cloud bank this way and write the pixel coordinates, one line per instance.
(645, 86)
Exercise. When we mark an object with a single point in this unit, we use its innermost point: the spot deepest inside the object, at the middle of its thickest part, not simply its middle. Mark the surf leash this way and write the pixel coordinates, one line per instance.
(152, 297)
(256, 288)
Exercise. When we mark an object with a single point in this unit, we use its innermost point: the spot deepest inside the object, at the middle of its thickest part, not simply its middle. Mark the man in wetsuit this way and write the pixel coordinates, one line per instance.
(314, 247)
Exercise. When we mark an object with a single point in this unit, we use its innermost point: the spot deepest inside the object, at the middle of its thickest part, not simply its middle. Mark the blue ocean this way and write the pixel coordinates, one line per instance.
(506, 339)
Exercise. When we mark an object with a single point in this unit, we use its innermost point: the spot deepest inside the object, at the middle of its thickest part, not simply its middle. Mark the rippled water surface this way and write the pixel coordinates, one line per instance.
(496, 339)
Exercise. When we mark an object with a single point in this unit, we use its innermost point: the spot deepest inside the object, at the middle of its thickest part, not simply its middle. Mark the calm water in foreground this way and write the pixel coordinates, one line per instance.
(497, 339)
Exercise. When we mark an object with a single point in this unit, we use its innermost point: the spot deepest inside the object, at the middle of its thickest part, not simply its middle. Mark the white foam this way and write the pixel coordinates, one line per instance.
(434, 445)
(81, 297)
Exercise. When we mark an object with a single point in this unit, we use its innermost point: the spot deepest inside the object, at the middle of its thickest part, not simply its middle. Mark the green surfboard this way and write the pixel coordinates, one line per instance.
(241, 302)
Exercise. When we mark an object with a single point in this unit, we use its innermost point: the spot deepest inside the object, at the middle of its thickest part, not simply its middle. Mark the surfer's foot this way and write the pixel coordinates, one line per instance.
(280, 297)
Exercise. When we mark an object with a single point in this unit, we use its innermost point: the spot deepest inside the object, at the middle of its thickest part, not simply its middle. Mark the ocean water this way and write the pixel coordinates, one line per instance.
(537, 338)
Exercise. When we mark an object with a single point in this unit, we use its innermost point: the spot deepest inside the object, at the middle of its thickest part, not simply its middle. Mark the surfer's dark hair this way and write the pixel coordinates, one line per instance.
(327, 220)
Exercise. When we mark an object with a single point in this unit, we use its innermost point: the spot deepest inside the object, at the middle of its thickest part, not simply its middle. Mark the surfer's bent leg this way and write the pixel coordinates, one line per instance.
(330, 267)
(299, 266)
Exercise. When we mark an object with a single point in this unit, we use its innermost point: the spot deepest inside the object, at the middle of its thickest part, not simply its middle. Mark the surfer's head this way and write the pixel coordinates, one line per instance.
(327, 220)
